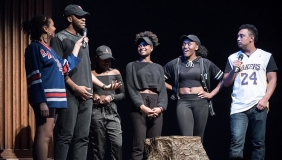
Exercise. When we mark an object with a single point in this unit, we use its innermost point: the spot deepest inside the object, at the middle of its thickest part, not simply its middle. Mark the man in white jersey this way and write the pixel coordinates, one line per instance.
(254, 83)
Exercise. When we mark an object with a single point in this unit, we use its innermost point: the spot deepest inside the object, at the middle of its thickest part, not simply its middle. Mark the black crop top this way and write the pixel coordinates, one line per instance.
(107, 79)
(144, 75)
(189, 76)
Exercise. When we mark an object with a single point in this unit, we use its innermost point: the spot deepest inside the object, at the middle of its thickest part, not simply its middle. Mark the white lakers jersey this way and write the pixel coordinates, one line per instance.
(251, 82)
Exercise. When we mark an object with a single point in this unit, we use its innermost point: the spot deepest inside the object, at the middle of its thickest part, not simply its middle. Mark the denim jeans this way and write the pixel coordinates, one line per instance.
(238, 126)
(105, 122)
(72, 129)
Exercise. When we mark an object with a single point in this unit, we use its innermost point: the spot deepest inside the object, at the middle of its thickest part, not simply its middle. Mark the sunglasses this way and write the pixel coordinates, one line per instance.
(79, 17)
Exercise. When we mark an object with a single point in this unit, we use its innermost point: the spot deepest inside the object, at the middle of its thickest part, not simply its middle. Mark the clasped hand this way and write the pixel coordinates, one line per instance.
(153, 113)
(102, 99)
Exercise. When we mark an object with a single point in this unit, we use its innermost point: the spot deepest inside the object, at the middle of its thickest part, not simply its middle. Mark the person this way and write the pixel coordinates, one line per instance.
(190, 74)
(253, 86)
(146, 89)
(72, 125)
(45, 79)
(105, 121)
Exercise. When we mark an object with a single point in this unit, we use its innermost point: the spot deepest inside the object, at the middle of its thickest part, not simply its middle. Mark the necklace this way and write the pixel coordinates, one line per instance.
(189, 64)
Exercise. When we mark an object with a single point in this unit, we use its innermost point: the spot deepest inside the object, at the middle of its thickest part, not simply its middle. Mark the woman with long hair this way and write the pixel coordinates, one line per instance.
(191, 74)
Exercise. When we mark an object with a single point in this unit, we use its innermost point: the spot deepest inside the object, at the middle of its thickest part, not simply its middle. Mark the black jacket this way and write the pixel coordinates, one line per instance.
(171, 70)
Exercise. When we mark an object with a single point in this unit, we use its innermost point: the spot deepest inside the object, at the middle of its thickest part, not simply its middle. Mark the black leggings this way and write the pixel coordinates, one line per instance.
(144, 127)
(192, 114)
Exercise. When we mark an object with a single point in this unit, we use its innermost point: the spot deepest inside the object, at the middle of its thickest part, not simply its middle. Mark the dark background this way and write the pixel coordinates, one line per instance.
(115, 24)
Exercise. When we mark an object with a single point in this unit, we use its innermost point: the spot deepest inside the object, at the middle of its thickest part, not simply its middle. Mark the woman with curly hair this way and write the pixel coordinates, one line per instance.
(190, 74)
(146, 88)
(45, 72)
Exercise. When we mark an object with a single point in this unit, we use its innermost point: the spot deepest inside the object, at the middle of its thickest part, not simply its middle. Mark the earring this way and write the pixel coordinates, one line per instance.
(48, 34)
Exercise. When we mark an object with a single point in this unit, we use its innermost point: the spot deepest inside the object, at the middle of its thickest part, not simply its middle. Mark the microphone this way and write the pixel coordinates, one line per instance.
(240, 59)
(84, 32)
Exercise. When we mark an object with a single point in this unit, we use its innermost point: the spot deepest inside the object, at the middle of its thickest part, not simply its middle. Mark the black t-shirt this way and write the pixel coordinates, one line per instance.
(63, 44)
(189, 76)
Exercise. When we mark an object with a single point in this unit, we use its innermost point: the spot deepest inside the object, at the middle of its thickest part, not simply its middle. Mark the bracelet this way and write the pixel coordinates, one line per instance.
(112, 97)
(161, 108)
(103, 87)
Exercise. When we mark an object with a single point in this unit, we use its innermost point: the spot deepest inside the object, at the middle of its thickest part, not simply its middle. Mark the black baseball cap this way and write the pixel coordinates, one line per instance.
(192, 37)
(104, 52)
(146, 39)
(74, 9)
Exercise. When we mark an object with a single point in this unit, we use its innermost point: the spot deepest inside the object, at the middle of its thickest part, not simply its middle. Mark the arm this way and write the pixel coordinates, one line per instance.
(78, 44)
(167, 75)
(36, 93)
(230, 74)
(168, 86)
(213, 92)
(96, 81)
(114, 85)
(217, 74)
(121, 90)
(119, 94)
(81, 91)
(228, 78)
(134, 94)
(59, 48)
(272, 82)
(72, 60)
(162, 98)
(33, 67)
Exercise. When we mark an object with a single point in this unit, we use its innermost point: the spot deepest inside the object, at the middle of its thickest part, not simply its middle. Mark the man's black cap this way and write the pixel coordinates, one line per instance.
(74, 9)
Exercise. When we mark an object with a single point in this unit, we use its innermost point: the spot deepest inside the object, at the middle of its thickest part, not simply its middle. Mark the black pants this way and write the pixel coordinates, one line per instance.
(105, 122)
(72, 127)
(144, 127)
(192, 114)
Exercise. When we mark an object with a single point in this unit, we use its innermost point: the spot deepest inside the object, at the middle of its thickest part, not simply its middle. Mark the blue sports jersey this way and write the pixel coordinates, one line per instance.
(45, 75)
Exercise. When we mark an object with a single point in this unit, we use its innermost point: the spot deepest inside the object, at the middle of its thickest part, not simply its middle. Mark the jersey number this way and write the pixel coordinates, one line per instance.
(252, 77)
